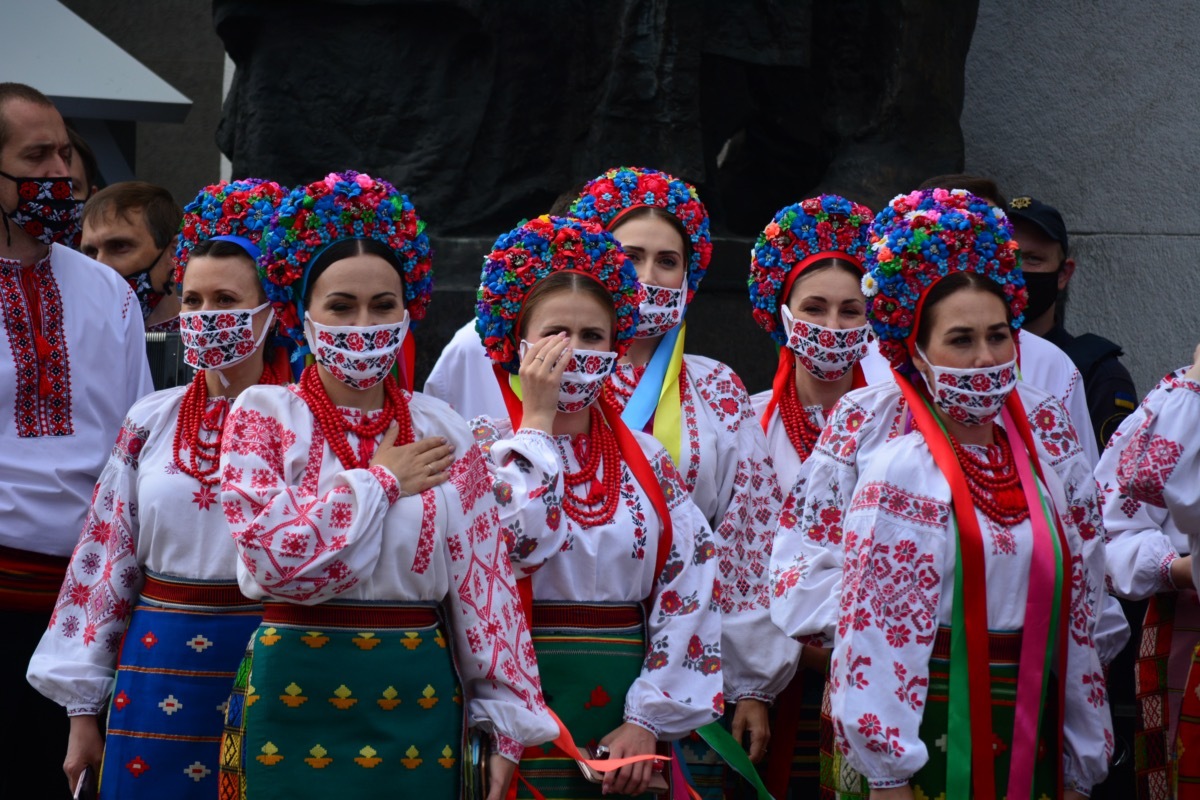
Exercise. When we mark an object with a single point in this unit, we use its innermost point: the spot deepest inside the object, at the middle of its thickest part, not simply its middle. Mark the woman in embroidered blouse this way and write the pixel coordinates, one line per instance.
(583, 499)
(924, 582)
(700, 411)
(805, 275)
(155, 563)
(364, 519)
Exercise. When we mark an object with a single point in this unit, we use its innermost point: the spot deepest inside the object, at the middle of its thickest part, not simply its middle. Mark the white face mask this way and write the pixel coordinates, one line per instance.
(971, 396)
(827, 353)
(582, 381)
(358, 357)
(216, 340)
(659, 312)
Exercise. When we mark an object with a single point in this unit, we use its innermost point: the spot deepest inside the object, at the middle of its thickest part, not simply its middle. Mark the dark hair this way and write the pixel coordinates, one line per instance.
(975, 184)
(657, 213)
(950, 285)
(91, 168)
(561, 281)
(17, 91)
(217, 248)
(347, 248)
(561, 207)
(160, 213)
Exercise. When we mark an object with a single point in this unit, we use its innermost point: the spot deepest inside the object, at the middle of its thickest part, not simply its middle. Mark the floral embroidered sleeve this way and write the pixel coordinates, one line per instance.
(528, 485)
(681, 685)
(888, 620)
(759, 658)
(297, 544)
(1087, 721)
(1159, 464)
(75, 662)
(495, 654)
(807, 561)
(1139, 548)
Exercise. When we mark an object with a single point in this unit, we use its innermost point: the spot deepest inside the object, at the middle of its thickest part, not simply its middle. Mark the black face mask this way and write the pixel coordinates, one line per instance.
(148, 295)
(45, 210)
(1043, 292)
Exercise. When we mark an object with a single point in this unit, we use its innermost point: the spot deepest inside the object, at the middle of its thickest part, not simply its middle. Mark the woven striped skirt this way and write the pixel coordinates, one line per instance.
(588, 657)
(175, 671)
(345, 700)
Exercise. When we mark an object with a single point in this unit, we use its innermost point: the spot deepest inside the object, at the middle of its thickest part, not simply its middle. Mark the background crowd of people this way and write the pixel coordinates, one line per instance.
(897, 573)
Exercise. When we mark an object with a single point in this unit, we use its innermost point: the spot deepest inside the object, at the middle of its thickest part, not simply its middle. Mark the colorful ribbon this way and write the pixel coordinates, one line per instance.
(657, 394)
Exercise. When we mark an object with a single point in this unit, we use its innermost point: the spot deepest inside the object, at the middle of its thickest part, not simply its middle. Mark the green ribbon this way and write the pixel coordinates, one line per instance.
(732, 752)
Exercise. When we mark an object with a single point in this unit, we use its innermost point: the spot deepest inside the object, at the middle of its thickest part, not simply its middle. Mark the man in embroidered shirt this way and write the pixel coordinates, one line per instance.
(72, 361)
(131, 226)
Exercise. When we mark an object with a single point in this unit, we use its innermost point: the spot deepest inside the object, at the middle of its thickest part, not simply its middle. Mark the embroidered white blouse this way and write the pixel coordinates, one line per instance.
(1159, 460)
(146, 514)
(308, 530)
(899, 587)
(727, 468)
(806, 568)
(680, 687)
(58, 432)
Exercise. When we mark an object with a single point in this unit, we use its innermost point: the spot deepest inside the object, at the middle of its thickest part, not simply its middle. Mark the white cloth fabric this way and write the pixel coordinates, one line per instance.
(806, 568)
(1160, 457)
(783, 454)
(1143, 539)
(614, 563)
(147, 515)
(46, 481)
(1040, 364)
(725, 464)
(900, 528)
(464, 378)
(308, 530)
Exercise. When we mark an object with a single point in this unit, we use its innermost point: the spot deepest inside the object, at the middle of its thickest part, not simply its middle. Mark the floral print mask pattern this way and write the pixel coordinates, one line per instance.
(659, 312)
(46, 210)
(220, 339)
(827, 353)
(358, 357)
(971, 396)
(582, 381)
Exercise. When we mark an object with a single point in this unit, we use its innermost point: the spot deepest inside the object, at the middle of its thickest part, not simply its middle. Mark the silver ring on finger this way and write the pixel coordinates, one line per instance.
(540, 358)
(429, 469)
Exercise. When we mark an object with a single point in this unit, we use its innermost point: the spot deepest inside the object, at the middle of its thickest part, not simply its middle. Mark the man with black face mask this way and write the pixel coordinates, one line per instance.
(131, 227)
(1042, 237)
(72, 361)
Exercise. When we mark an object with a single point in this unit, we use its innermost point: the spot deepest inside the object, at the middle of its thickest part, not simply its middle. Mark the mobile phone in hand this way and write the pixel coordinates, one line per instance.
(85, 787)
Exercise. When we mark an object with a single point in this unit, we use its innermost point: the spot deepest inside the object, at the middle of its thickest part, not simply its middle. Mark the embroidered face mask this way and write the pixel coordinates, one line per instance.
(582, 381)
(358, 357)
(148, 295)
(45, 209)
(827, 353)
(659, 312)
(219, 339)
(971, 396)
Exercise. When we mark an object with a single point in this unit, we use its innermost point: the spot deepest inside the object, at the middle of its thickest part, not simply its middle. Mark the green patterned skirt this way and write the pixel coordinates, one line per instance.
(588, 657)
(344, 700)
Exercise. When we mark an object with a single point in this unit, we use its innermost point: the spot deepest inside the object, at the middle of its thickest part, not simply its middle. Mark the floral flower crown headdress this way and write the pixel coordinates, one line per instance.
(798, 236)
(236, 211)
(609, 197)
(343, 205)
(922, 237)
(535, 250)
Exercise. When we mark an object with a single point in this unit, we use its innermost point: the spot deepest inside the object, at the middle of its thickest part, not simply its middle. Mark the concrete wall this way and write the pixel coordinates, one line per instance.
(1090, 106)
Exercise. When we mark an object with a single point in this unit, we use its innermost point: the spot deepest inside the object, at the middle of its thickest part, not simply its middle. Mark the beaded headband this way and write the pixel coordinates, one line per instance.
(922, 237)
(797, 237)
(533, 251)
(236, 211)
(620, 190)
(345, 205)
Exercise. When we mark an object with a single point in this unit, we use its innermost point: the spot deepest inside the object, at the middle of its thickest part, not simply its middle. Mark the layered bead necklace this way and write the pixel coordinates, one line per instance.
(198, 429)
(335, 427)
(597, 452)
(995, 485)
(801, 431)
(624, 385)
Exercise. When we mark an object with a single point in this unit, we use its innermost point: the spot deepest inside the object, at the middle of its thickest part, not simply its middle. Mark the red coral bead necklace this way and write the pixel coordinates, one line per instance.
(336, 427)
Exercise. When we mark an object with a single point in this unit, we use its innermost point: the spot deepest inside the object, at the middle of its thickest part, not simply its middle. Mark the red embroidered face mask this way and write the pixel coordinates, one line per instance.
(45, 209)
